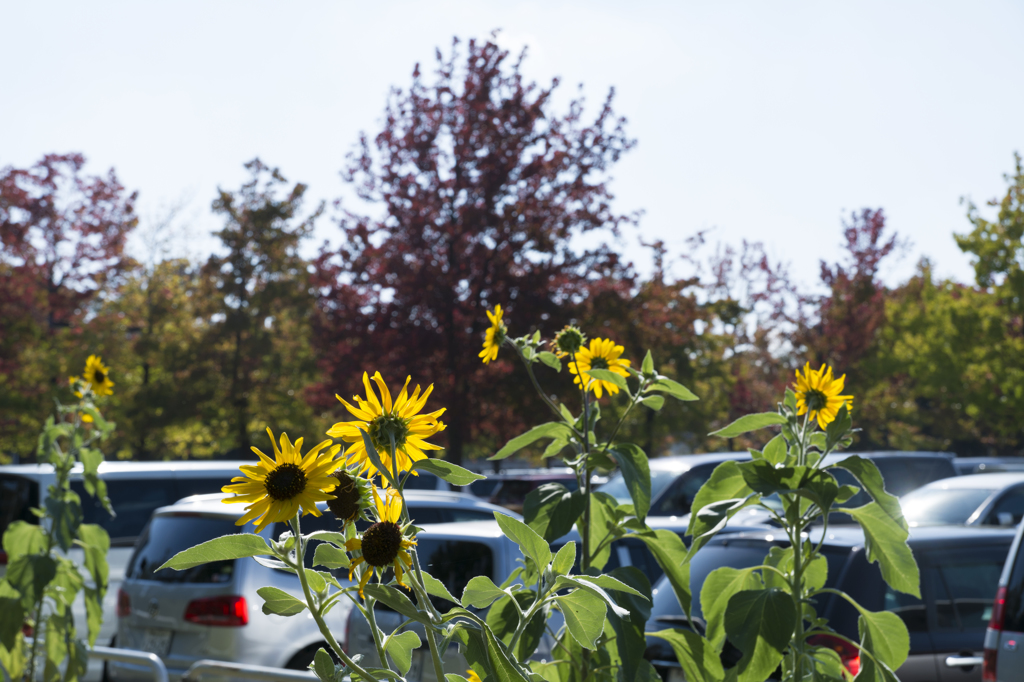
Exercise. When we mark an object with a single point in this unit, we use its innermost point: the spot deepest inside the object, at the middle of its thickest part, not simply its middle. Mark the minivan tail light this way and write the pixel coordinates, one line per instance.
(124, 604)
(848, 654)
(226, 611)
(3, 558)
(995, 626)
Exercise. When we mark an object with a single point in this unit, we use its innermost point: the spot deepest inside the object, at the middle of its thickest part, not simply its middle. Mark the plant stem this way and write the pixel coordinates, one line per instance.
(314, 608)
(372, 620)
(421, 594)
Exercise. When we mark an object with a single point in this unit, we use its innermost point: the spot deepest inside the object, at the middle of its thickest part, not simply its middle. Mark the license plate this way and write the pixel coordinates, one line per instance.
(416, 669)
(155, 641)
(676, 675)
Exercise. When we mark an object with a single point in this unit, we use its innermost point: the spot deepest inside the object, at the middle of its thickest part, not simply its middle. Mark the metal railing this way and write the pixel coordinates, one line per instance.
(199, 669)
(205, 667)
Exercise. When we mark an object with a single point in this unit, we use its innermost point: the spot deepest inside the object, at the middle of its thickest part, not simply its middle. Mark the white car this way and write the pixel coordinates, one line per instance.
(213, 611)
(135, 490)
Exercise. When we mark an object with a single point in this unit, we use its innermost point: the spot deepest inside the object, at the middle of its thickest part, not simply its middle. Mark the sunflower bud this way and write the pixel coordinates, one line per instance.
(569, 340)
(350, 498)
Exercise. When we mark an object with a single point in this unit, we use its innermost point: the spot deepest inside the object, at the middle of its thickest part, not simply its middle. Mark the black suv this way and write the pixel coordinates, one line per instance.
(960, 569)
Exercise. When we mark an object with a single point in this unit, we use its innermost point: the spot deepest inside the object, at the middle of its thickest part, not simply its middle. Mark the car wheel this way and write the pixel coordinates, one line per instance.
(304, 658)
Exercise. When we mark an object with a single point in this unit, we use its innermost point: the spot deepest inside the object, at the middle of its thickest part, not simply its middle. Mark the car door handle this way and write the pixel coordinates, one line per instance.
(963, 661)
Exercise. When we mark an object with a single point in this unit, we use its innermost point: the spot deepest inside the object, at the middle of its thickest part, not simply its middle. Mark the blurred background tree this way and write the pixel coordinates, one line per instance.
(477, 191)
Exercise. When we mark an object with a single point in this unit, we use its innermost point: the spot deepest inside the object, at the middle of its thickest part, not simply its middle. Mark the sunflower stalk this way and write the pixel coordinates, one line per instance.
(314, 606)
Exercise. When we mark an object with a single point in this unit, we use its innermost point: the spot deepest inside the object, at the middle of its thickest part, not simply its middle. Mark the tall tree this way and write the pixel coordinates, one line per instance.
(63, 235)
(484, 189)
(259, 310)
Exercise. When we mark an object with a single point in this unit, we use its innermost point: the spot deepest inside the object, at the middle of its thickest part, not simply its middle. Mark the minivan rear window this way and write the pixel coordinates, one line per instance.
(18, 495)
(454, 563)
(168, 534)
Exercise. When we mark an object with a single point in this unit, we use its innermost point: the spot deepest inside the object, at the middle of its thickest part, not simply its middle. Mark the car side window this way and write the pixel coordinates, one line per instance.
(454, 563)
(964, 588)
(133, 500)
(909, 608)
(459, 515)
(1008, 509)
(677, 500)
(310, 524)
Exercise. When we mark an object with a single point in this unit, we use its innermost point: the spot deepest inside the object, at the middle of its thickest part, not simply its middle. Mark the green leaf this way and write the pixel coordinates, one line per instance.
(276, 601)
(452, 473)
(724, 494)
(671, 554)
(580, 582)
(775, 452)
(96, 543)
(30, 574)
(815, 573)
(235, 546)
(338, 539)
(480, 592)
(760, 624)
(329, 556)
(647, 366)
(436, 588)
(838, 428)
(750, 422)
(316, 581)
(13, 658)
(606, 519)
(636, 473)
(323, 665)
(93, 613)
(396, 600)
(672, 388)
(885, 635)
(24, 538)
(66, 516)
(719, 587)
(497, 655)
(532, 545)
(886, 542)
(503, 619)
(399, 647)
(550, 509)
(698, 658)
(12, 614)
(550, 359)
(630, 632)
(584, 616)
(565, 558)
(654, 402)
(608, 376)
(554, 447)
(549, 430)
(867, 474)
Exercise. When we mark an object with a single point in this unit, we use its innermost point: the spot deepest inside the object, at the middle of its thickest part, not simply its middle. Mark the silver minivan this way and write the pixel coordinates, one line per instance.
(1003, 655)
(213, 611)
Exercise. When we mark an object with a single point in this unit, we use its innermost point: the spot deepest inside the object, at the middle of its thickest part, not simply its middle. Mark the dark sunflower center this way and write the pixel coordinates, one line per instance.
(285, 482)
(598, 363)
(381, 543)
(345, 504)
(384, 428)
(816, 400)
(98, 377)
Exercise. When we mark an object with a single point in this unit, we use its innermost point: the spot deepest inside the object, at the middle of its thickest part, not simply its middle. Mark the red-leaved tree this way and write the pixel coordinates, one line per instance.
(483, 190)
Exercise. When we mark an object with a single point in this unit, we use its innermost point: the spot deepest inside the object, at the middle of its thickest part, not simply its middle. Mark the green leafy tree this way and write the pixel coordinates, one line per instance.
(258, 312)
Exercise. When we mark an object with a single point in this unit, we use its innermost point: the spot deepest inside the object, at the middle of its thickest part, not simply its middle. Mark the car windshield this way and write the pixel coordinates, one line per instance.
(936, 506)
(616, 485)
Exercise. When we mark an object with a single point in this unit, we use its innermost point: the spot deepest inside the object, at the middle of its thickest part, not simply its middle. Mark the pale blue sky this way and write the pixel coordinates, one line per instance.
(763, 120)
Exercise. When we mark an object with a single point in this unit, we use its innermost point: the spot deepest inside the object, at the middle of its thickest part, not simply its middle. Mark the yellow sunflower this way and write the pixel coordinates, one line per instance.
(383, 545)
(495, 335)
(384, 420)
(818, 392)
(275, 489)
(602, 354)
(97, 375)
(471, 676)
